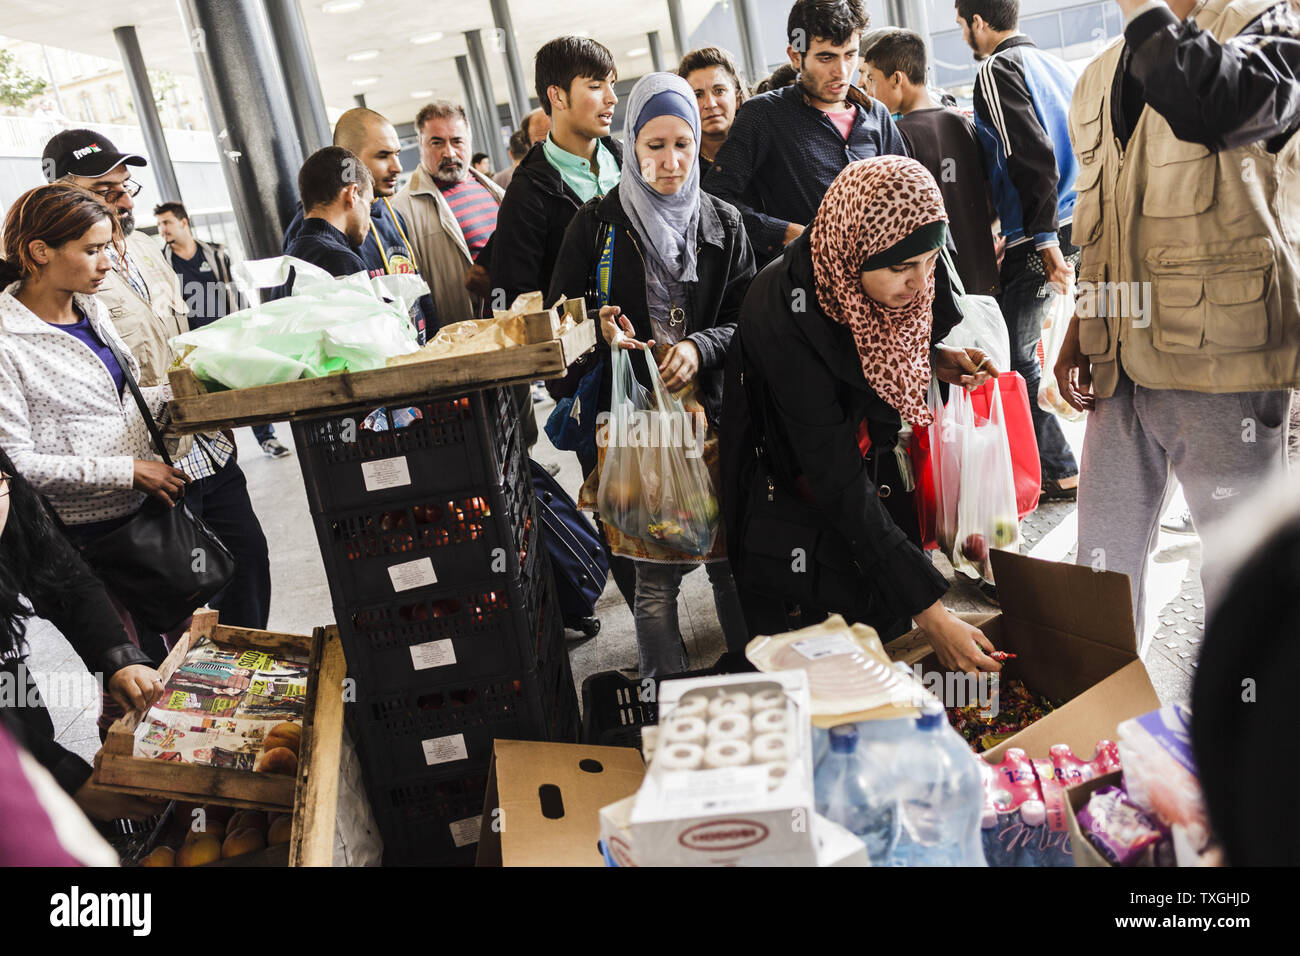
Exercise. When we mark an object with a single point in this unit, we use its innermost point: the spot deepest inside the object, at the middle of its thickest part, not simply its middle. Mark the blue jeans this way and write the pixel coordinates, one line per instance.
(222, 501)
(263, 433)
(1025, 300)
(659, 644)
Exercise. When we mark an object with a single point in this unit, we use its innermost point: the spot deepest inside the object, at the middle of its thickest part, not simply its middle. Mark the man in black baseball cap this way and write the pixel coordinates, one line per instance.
(92, 161)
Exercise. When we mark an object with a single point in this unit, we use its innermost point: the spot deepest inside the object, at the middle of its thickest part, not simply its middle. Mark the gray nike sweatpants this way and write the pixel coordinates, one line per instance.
(1223, 448)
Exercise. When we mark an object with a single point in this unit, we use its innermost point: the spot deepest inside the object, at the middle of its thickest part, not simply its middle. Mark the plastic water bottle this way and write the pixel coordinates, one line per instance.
(941, 795)
(857, 794)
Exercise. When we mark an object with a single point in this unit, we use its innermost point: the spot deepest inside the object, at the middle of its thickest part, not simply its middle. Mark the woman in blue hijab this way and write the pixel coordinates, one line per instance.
(667, 264)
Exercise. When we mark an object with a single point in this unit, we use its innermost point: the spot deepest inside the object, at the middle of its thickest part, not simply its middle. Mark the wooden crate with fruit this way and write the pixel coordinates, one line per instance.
(545, 355)
(267, 738)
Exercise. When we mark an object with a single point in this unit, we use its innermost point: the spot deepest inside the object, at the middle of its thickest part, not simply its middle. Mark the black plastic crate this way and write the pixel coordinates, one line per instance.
(615, 708)
(443, 635)
(405, 733)
(450, 443)
(430, 819)
(435, 541)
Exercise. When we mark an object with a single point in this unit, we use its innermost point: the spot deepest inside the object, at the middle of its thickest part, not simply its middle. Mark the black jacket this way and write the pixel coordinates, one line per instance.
(534, 213)
(806, 368)
(724, 266)
(82, 612)
(1221, 95)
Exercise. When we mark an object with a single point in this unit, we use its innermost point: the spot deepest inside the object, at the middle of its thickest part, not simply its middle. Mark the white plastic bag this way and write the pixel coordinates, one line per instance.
(986, 498)
(982, 325)
(1049, 350)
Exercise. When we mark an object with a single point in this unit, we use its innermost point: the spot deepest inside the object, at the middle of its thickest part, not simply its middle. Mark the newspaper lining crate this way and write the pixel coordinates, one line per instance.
(488, 627)
(311, 794)
(385, 551)
(401, 451)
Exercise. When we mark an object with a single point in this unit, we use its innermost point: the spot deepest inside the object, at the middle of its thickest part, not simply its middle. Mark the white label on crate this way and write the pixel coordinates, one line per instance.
(464, 832)
(433, 654)
(386, 473)
(720, 789)
(413, 574)
(444, 749)
(828, 645)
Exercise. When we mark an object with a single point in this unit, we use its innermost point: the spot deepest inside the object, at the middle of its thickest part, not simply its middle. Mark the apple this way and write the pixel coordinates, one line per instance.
(247, 840)
(975, 549)
(280, 760)
(161, 856)
(205, 849)
(1005, 532)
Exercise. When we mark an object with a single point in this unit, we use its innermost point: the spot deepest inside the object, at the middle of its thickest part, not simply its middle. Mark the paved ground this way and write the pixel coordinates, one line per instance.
(301, 597)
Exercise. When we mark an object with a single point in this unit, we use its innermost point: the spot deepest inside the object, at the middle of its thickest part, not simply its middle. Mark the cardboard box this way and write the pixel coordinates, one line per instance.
(1072, 629)
(833, 845)
(543, 801)
(729, 816)
(1085, 854)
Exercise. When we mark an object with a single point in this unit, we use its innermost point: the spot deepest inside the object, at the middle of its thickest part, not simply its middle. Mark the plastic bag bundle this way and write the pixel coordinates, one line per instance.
(654, 484)
(986, 499)
(327, 325)
(945, 465)
(982, 325)
(1049, 350)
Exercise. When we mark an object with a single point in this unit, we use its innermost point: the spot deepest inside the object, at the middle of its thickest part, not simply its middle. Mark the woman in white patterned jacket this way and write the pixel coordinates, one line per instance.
(65, 419)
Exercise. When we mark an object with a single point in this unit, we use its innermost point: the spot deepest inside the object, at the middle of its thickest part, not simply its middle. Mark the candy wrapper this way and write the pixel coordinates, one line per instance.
(1119, 830)
(1013, 707)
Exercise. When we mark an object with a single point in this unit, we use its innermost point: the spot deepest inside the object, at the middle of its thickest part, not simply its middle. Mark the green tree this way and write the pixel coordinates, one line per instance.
(17, 86)
(162, 84)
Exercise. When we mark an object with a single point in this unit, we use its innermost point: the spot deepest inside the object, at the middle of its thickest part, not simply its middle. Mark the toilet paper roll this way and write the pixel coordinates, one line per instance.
(767, 700)
(726, 753)
(687, 730)
(770, 722)
(680, 756)
(770, 747)
(729, 727)
(733, 702)
(649, 740)
(776, 774)
(692, 705)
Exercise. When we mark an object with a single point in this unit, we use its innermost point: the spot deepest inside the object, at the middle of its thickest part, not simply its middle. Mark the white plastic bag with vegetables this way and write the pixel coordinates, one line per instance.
(982, 325)
(1049, 350)
(654, 484)
(986, 500)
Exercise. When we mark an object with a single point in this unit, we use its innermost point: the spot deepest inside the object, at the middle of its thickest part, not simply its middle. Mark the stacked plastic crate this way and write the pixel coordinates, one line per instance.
(443, 597)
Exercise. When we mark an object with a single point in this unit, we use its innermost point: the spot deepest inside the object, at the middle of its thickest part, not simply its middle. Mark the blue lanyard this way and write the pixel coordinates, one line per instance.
(605, 269)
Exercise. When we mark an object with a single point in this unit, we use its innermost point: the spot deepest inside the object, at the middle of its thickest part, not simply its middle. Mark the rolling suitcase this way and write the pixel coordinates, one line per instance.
(578, 559)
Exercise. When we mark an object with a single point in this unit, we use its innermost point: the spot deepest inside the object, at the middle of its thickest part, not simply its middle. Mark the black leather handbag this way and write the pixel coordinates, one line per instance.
(165, 562)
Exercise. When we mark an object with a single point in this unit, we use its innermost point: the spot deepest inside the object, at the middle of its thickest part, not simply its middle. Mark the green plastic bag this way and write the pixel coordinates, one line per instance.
(327, 325)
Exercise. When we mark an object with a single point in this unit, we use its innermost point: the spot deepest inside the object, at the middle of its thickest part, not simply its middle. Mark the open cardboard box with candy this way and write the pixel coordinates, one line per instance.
(1071, 629)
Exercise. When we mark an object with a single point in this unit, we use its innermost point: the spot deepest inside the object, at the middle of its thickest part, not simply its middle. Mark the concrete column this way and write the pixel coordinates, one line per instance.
(747, 22)
(495, 146)
(516, 79)
(146, 110)
(677, 19)
(248, 106)
(656, 51)
(473, 101)
(910, 15)
(298, 68)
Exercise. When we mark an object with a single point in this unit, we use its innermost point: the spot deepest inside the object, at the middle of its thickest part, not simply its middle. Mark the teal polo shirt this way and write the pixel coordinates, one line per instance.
(576, 171)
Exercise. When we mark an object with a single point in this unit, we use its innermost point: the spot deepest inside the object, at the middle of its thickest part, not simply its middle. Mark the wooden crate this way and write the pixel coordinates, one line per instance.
(195, 409)
(312, 794)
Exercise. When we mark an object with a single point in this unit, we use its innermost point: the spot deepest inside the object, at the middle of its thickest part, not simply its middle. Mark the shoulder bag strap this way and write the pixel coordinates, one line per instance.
(139, 400)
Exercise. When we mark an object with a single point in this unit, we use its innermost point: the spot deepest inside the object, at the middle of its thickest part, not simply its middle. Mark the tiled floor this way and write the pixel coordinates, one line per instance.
(301, 597)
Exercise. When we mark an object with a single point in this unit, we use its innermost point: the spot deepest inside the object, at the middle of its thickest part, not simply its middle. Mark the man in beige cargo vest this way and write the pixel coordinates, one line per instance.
(1186, 338)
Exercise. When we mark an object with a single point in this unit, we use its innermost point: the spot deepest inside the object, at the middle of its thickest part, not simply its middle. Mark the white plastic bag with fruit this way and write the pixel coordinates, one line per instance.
(945, 465)
(986, 502)
(1049, 350)
(654, 483)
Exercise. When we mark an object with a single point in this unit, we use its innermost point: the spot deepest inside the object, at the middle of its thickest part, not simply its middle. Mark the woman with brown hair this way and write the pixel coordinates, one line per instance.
(64, 420)
(719, 91)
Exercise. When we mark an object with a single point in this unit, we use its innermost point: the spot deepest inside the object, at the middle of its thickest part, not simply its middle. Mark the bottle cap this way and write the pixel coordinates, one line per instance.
(1033, 813)
(844, 739)
(932, 716)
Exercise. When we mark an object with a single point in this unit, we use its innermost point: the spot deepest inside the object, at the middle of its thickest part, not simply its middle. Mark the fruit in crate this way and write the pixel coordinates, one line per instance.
(281, 760)
(286, 734)
(280, 830)
(247, 840)
(247, 818)
(1005, 532)
(161, 856)
(197, 852)
(975, 548)
(212, 827)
